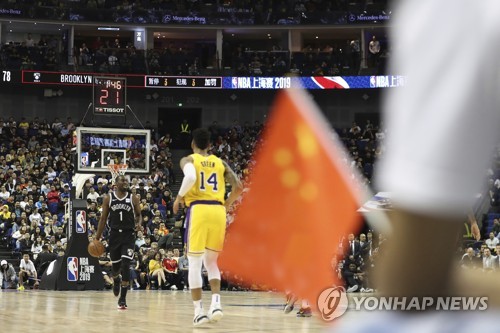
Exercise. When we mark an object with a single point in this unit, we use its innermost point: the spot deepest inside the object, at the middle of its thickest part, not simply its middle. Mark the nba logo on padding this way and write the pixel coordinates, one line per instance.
(81, 221)
(72, 269)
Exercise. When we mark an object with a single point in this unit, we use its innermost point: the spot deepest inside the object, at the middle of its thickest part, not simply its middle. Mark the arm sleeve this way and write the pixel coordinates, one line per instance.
(188, 180)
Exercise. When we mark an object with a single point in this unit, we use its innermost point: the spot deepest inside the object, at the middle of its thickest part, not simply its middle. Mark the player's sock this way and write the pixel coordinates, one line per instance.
(123, 293)
(117, 280)
(215, 299)
(215, 313)
(198, 307)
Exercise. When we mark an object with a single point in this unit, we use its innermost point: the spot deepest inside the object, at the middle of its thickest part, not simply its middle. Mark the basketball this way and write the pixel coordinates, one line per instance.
(95, 248)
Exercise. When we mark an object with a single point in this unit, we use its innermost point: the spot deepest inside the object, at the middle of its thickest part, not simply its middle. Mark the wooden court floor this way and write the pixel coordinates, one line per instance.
(148, 311)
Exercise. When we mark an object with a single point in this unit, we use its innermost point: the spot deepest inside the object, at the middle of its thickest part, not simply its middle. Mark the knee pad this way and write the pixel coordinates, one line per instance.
(210, 262)
(125, 269)
(194, 275)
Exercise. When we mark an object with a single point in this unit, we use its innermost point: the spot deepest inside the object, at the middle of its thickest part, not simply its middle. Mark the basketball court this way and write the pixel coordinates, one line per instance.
(148, 311)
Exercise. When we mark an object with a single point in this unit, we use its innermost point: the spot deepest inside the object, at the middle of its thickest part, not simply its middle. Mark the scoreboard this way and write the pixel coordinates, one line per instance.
(46, 78)
(110, 95)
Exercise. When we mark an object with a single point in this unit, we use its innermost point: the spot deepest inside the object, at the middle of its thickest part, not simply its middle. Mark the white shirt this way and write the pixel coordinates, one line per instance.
(374, 47)
(4, 195)
(491, 243)
(489, 262)
(93, 196)
(27, 266)
(35, 216)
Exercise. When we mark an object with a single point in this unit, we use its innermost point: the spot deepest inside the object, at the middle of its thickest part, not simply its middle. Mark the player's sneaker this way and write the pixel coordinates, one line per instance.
(122, 304)
(290, 302)
(215, 313)
(304, 312)
(20, 288)
(117, 281)
(200, 319)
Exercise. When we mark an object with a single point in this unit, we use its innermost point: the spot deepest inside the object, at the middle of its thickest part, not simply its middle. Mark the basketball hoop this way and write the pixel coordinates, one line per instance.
(117, 170)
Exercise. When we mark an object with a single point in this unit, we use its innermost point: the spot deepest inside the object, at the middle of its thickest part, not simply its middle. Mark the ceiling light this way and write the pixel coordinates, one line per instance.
(108, 28)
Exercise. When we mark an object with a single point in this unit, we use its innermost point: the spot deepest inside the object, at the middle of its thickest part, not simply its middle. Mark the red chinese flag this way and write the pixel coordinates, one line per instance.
(300, 203)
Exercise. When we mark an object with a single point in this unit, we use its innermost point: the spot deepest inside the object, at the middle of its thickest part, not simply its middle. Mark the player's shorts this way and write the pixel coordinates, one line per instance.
(121, 245)
(205, 227)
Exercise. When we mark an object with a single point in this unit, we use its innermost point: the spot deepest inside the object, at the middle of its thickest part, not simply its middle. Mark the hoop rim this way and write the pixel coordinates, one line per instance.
(117, 166)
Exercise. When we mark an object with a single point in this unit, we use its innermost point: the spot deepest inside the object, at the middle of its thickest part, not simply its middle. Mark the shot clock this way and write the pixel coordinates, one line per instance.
(110, 95)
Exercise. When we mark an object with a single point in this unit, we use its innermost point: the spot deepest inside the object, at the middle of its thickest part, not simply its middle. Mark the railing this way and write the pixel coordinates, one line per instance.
(191, 14)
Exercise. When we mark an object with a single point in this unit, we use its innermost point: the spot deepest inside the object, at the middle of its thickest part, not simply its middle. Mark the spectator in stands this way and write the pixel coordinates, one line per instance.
(36, 247)
(29, 41)
(469, 259)
(140, 240)
(374, 52)
(106, 267)
(135, 271)
(4, 194)
(23, 244)
(5, 219)
(165, 236)
(496, 227)
(8, 279)
(184, 269)
(171, 266)
(352, 277)
(84, 55)
(53, 199)
(43, 260)
(489, 261)
(93, 195)
(492, 241)
(156, 270)
(26, 271)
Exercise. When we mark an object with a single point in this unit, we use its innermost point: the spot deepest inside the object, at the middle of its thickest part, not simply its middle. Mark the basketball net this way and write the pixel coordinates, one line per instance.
(117, 170)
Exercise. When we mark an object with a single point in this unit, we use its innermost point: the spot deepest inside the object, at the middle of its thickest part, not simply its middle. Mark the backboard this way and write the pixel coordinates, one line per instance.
(97, 147)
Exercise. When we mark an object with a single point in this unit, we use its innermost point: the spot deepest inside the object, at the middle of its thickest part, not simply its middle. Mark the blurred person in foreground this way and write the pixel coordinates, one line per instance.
(441, 131)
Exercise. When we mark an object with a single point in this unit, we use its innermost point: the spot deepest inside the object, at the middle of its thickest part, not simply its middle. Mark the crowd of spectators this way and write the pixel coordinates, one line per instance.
(35, 180)
(234, 12)
(105, 55)
(31, 55)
